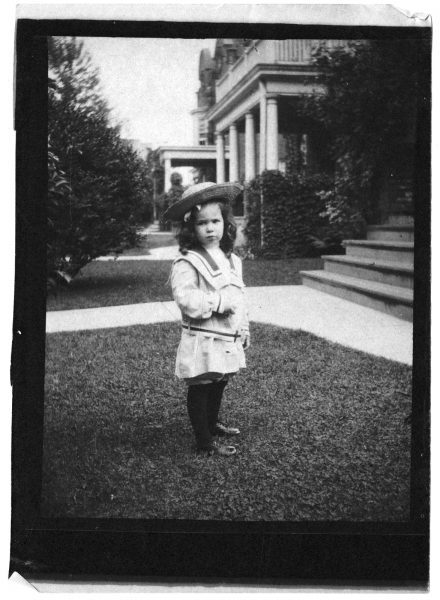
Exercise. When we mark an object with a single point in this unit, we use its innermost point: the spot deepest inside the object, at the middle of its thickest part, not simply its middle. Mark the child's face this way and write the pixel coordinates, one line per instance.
(209, 225)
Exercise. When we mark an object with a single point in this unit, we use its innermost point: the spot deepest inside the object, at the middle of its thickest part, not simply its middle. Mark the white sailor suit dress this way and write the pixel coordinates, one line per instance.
(211, 340)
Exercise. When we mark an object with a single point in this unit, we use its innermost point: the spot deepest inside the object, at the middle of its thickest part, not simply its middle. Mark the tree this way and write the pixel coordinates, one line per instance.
(367, 115)
(98, 186)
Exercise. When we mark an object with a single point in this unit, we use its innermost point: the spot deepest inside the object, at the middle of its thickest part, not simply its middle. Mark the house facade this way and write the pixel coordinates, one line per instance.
(247, 112)
(248, 118)
(253, 90)
(246, 106)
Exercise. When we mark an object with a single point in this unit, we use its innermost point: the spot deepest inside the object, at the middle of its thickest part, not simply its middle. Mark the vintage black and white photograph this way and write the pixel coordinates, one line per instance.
(230, 277)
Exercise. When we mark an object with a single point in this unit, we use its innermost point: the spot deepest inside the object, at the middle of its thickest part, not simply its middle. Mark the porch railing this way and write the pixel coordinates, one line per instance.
(268, 52)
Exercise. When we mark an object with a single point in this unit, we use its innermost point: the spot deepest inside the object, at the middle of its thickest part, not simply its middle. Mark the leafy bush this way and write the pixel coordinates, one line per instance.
(367, 118)
(60, 200)
(244, 252)
(337, 221)
(252, 229)
(98, 189)
(298, 216)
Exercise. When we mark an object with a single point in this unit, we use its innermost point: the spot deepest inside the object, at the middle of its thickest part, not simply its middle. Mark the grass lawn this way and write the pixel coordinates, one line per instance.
(152, 240)
(112, 283)
(324, 431)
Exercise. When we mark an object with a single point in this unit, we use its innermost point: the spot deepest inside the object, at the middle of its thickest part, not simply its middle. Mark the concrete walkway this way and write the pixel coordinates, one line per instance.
(292, 307)
(163, 253)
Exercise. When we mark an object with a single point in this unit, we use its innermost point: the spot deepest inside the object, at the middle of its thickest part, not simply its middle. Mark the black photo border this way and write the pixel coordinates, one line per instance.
(280, 553)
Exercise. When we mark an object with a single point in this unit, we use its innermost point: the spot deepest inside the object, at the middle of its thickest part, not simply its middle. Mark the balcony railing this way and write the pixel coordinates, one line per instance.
(268, 52)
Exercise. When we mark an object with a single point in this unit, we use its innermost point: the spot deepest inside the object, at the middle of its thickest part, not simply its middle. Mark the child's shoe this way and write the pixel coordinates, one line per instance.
(221, 450)
(218, 449)
(224, 430)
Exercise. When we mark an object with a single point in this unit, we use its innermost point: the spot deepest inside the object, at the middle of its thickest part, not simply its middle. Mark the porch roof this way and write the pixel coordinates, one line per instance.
(188, 155)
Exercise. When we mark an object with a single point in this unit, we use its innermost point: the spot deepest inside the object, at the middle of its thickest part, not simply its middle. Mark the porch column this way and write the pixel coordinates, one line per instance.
(220, 144)
(249, 147)
(262, 164)
(272, 133)
(233, 153)
(167, 174)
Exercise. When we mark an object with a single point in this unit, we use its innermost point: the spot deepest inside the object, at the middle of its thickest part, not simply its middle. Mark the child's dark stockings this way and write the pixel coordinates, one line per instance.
(203, 404)
(214, 403)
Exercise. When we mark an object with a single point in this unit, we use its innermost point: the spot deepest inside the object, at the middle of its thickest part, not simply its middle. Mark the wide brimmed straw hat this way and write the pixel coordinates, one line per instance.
(200, 194)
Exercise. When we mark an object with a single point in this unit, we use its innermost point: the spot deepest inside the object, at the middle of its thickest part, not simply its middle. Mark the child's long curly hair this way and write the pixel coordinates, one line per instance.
(186, 234)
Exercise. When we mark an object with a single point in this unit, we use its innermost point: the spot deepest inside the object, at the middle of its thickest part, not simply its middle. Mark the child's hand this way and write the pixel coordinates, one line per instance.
(228, 304)
(246, 341)
(230, 310)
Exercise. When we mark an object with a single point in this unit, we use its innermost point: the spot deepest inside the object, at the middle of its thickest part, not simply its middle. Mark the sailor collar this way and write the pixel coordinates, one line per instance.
(205, 264)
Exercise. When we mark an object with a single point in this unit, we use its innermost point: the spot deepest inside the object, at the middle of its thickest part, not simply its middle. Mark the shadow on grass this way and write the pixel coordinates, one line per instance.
(324, 435)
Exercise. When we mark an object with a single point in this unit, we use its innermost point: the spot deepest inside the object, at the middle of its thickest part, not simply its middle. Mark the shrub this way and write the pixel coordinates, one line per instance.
(298, 216)
(98, 189)
(337, 221)
(252, 229)
(368, 116)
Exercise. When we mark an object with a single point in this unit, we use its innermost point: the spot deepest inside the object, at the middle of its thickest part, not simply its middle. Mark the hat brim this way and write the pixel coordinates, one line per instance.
(221, 191)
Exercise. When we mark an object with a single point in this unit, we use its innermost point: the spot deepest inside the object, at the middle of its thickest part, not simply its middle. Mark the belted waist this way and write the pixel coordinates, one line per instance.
(213, 332)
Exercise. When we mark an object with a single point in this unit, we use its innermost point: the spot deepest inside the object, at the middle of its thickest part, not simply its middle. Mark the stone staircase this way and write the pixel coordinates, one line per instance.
(377, 272)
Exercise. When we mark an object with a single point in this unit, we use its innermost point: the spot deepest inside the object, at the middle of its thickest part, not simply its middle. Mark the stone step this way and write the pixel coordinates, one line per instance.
(388, 272)
(381, 250)
(393, 300)
(391, 233)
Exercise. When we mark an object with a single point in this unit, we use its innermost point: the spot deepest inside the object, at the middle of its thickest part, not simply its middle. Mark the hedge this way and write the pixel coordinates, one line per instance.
(297, 216)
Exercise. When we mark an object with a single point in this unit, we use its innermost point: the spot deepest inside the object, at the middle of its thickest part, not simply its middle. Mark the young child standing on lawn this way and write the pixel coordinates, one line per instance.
(208, 287)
